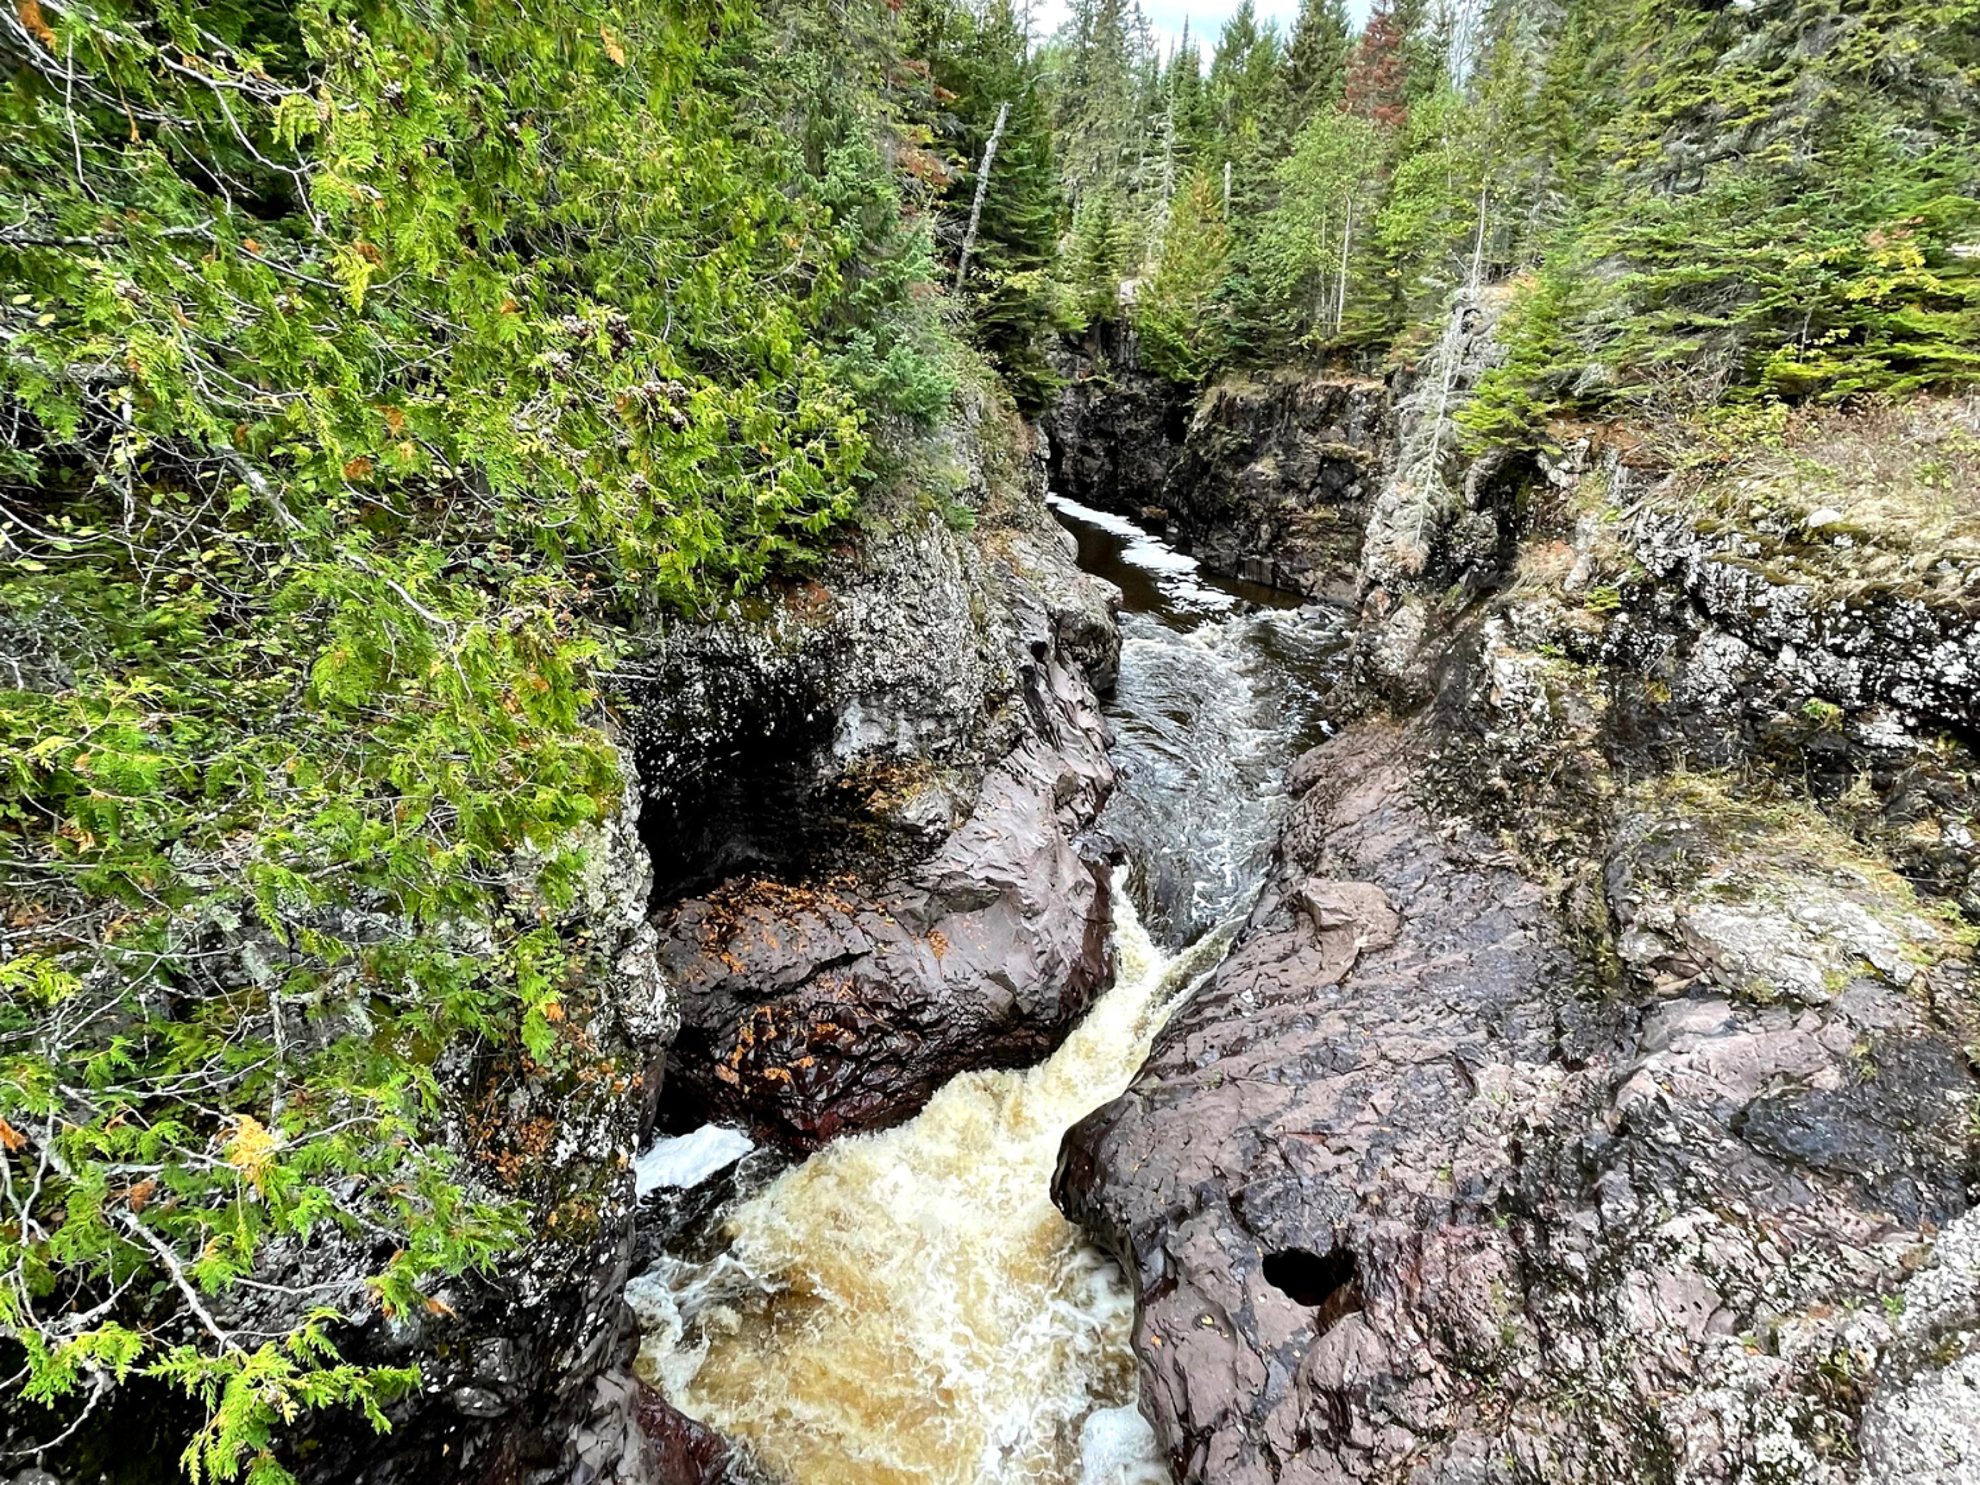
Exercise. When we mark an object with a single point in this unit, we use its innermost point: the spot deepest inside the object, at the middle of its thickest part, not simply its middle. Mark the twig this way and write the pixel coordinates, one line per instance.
(191, 1296)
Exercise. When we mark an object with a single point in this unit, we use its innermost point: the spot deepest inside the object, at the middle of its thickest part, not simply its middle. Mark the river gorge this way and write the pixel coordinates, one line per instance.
(951, 741)
(909, 1305)
(1363, 1103)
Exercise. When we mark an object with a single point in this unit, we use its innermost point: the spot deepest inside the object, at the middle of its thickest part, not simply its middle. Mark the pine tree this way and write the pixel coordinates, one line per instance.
(1317, 59)
(1190, 100)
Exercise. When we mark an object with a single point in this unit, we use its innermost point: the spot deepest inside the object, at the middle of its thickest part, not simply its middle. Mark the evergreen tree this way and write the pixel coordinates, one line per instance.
(1182, 332)
(1378, 75)
(1098, 97)
(1101, 253)
(982, 68)
(351, 356)
(1317, 60)
(1781, 198)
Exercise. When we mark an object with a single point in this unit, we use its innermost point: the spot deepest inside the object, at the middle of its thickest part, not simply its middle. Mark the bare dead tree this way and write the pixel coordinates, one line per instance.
(982, 190)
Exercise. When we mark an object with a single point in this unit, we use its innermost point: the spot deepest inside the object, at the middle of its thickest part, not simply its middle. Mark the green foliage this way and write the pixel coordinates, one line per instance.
(1175, 312)
(1317, 59)
(1300, 261)
(1426, 232)
(1784, 203)
(1100, 254)
(979, 64)
(362, 365)
(353, 354)
(1696, 201)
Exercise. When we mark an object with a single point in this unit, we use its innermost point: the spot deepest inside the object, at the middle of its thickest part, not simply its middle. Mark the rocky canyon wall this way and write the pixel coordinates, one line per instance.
(1589, 1096)
(849, 862)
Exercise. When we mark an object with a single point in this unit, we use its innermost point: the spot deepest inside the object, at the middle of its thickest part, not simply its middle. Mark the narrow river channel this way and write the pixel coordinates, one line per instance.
(909, 1306)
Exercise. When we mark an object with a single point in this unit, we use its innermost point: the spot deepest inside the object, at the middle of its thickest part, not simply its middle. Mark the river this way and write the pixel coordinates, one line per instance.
(909, 1306)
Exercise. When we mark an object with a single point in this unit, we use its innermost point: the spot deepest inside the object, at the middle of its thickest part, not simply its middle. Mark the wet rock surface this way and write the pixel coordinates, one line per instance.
(1411, 1193)
(1590, 1094)
(818, 1009)
(1269, 479)
(906, 892)
(1275, 479)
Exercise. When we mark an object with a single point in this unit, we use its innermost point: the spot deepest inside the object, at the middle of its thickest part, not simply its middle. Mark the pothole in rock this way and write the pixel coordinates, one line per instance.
(1327, 1283)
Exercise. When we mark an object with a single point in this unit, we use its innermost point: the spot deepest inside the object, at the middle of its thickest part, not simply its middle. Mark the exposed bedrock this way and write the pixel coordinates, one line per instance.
(1409, 1195)
(1268, 478)
(866, 803)
(1114, 431)
(1591, 1093)
(1767, 640)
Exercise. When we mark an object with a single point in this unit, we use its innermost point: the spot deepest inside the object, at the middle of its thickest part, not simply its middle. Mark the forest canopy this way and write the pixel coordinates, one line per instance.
(1688, 201)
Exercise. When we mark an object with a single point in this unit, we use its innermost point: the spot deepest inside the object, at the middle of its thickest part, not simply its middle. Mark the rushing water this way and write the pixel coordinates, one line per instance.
(909, 1306)
(1222, 684)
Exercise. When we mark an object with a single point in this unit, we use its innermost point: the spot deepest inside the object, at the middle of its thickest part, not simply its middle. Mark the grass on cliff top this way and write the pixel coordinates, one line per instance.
(1885, 491)
(1904, 474)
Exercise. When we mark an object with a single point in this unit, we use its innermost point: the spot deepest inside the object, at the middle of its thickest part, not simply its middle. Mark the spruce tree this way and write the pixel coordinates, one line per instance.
(1317, 59)
(1183, 334)
(1378, 75)
(982, 69)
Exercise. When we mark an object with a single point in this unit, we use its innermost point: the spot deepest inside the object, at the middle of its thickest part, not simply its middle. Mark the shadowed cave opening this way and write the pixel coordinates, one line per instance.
(731, 771)
(1327, 1282)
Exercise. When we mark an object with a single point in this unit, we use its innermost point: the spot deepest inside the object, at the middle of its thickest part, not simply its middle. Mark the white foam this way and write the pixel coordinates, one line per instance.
(1117, 1447)
(909, 1308)
(689, 1159)
(1178, 574)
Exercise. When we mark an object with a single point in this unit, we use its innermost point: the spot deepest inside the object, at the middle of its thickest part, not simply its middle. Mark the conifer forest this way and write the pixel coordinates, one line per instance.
(949, 741)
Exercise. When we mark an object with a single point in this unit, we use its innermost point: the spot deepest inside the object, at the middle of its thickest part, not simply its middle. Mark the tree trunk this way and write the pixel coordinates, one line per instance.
(1347, 235)
(982, 190)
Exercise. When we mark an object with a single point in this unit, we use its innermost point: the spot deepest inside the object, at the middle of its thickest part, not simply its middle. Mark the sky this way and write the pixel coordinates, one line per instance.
(1206, 17)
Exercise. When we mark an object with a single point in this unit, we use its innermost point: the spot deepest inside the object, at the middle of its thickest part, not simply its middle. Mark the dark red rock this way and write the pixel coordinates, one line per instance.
(1409, 1193)
(811, 1011)
(679, 1450)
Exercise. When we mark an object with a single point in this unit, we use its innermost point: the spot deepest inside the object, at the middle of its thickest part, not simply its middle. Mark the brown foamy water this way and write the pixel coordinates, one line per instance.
(909, 1306)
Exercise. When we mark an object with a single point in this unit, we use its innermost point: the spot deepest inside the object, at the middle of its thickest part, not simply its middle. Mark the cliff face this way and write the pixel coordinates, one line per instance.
(1586, 1096)
(846, 865)
(1267, 479)
(1275, 477)
(885, 883)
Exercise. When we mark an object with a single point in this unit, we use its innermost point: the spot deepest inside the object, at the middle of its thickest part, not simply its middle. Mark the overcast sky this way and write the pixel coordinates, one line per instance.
(1206, 17)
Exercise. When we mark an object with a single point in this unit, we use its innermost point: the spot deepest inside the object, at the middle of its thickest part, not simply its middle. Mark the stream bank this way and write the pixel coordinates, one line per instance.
(1588, 1094)
(907, 1304)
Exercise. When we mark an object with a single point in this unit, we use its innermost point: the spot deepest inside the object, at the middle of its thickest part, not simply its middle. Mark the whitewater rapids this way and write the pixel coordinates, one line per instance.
(909, 1306)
